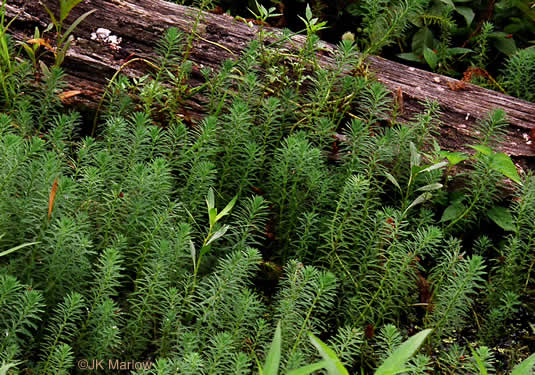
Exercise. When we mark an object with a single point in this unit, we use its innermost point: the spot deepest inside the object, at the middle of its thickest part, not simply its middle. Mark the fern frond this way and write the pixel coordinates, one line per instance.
(64, 127)
(298, 181)
(107, 275)
(219, 354)
(169, 49)
(346, 229)
(347, 344)
(21, 308)
(376, 102)
(249, 223)
(388, 340)
(61, 330)
(364, 153)
(149, 290)
(492, 128)
(223, 301)
(270, 132)
(61, 361)
(389, 25)
(305, 296)
(519, 74)
(103, 337)
(171, 328)
(310, 228)
(48, 97)
(453, 292)
(235, 145)
(66, 254)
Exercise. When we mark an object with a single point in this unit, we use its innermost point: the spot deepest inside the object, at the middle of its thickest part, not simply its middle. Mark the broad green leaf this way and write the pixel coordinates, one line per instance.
(409, 56)
(430, 187)
(48, 27)
(434, 166)
(205, 249)
(502, 217)
(485, 150)
(498, 35)
(502, 163)
(29, 50)
(457, 197)
(393, 180)
(430, 57)
(9, 251)
(65, 7)
(452, 212)
(419, 200)
(212, 215)
(507, 46)
(417, 170)
(60, 55)
(467, 13)
(454, 157)
(220, 233)
(271, 366)
(525, 367)
(459, 50)
(422, 38)
(74, 25)
(308, 369)
(308, 12)
(333, 364)
(192, 251)
(227, 209)
(210, 200)
(395, 364)
(262, 9)
(415, 155)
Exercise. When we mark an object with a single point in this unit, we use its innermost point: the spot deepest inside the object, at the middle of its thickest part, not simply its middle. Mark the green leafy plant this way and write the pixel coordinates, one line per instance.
(517, 78)
(7, 69)
(328, 252)
(415, 170)
(64, 37)
(488, 165)
(525, 367)
(394, 364)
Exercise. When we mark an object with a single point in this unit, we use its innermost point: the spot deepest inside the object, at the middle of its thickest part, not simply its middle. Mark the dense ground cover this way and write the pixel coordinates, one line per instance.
(489, 43)
(299, 202)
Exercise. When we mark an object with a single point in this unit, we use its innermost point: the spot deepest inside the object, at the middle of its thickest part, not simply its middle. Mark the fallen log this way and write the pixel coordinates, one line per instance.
(140, 23)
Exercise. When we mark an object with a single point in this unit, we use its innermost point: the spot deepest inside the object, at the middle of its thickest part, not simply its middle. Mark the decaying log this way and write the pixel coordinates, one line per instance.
(140, 23)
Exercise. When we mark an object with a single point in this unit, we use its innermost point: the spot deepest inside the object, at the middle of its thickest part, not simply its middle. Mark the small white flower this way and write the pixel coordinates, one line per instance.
(114, 39)
(103, 33)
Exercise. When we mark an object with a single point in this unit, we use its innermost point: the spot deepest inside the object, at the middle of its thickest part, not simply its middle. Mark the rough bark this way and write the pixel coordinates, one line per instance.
(140, 23)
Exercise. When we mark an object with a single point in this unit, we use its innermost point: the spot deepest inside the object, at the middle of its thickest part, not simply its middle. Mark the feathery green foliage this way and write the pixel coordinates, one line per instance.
(300, 205)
